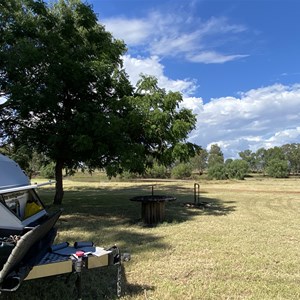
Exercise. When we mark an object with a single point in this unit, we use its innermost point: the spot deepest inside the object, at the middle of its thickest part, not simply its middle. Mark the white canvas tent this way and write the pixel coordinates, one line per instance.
(16, 194)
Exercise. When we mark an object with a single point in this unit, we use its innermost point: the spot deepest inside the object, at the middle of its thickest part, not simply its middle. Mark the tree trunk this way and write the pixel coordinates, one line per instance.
(59, 193)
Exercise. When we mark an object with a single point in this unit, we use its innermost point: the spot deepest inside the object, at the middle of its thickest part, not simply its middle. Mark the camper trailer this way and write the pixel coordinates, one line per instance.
(27, 233)
(20, 206)
(21, 213)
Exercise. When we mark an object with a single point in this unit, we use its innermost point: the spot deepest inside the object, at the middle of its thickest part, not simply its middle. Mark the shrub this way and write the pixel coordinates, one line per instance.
(278, 168)
(48, 171)
(182, 171)
(157, 171)
(126, 175)
(237, 169)
(218, 172)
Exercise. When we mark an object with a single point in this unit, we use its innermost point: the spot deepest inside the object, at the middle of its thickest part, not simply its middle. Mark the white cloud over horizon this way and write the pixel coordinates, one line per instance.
(264, 117)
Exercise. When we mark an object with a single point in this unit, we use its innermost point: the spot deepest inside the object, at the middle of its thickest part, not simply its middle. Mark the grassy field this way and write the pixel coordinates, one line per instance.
(244, 244)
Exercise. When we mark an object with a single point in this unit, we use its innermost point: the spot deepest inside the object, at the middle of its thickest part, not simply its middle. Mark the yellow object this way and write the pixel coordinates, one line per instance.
(31, 209)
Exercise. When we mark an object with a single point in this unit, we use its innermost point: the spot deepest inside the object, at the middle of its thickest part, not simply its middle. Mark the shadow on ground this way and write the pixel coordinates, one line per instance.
(106, 208)
(97, 284)
(107, 216)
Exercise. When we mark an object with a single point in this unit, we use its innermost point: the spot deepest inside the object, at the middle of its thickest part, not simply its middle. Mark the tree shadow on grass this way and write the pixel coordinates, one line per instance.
(97, 284)
(107, 216)
(182, 211)
(111, 207)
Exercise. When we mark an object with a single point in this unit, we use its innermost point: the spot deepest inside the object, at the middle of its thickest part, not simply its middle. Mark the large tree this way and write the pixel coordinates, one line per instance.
(215, 156)
(292, 154)
(61, 73)
(161, 128)
(199, 161)
(260, 160)
(249, 157)
(69, 98)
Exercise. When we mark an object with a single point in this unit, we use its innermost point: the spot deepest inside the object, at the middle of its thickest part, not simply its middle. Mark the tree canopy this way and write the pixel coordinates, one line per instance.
(215, 156)
(199, 161)
(68, 97)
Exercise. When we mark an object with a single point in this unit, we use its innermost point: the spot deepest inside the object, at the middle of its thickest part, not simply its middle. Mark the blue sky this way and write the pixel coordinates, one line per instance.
(237, 63)
(224, 46)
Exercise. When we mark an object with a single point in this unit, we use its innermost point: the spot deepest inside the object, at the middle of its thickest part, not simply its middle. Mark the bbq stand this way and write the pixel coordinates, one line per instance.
(153, 207)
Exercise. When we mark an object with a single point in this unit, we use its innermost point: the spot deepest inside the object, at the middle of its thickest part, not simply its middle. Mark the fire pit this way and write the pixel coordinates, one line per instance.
(153, 207)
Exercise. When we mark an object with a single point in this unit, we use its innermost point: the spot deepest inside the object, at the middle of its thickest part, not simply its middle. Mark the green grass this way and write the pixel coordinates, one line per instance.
(244, 245)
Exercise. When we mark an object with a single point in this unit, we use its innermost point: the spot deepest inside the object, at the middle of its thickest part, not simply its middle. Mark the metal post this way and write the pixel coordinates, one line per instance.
(78, 265)
(119, 280)
(78, 286)
(196, 193)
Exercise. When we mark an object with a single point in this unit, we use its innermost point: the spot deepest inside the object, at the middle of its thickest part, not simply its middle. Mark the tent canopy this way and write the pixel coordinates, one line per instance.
(11, 175)
(17, 195)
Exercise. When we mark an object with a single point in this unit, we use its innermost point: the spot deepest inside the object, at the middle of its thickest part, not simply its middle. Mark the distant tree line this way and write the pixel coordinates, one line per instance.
(276, 162)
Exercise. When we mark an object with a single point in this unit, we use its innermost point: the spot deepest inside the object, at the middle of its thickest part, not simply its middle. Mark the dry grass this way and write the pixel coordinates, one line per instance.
(244, 245)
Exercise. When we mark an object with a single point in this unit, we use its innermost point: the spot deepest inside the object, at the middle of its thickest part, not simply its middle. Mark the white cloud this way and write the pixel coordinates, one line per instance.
(193, 103)
(285, 136)
(265, 117)
(212, 57)
(220, 25)
(168, 34)
(152, 66)
(174, 45)
(132, 31)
